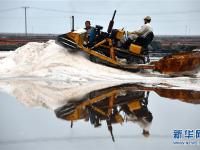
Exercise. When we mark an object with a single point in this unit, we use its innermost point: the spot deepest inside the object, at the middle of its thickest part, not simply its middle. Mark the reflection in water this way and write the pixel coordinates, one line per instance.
(114, 105)
(120, 104)
(109, 103)
(188, 96)
(55, 94)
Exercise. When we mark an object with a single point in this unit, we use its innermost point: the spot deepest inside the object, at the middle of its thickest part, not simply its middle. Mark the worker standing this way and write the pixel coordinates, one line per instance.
(90, 34)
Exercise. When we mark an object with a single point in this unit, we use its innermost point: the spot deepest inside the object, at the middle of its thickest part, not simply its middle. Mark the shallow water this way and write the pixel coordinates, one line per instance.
(28, 125)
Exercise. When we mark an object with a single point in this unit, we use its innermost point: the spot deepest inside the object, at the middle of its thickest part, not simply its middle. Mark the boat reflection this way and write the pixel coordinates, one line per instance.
(119, 104)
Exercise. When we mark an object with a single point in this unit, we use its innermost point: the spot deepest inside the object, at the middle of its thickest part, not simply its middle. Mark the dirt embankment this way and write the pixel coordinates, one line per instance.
(12, 41)
(160, 44)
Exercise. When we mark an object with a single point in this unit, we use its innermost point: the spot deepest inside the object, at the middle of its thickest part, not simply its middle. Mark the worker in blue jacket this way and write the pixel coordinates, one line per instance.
(90, 35)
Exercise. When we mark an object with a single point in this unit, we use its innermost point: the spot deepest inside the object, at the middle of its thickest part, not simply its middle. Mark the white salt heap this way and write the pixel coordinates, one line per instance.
(4, 54)
(49, 60)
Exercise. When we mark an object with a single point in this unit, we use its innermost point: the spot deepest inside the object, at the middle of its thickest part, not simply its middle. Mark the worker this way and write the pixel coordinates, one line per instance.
(142, 32)
(90, 34)
(143, 117)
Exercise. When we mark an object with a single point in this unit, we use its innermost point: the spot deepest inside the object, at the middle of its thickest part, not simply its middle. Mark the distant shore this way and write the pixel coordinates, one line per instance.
(161, 43)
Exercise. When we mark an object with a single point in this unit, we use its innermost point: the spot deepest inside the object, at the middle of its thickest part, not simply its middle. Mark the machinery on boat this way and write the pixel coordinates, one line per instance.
(105, 49)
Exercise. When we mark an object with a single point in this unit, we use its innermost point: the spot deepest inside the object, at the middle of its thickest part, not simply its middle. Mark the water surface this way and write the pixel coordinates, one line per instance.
(138, 120)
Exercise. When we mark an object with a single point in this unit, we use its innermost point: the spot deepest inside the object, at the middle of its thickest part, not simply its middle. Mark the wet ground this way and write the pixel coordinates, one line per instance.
(128, 116)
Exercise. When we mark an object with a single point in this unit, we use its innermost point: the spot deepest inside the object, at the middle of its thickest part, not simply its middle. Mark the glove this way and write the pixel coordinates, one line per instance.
(84, 43)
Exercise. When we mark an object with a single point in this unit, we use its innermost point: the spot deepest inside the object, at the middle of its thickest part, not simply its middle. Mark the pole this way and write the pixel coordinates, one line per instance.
(72, 24)
(186, 30)
(25, 17)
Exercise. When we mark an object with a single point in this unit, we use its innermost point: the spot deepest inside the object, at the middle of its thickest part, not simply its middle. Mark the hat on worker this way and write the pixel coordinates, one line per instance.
(147, 18)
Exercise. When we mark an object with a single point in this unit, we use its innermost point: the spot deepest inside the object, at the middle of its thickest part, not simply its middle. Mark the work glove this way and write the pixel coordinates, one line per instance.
(84, 43)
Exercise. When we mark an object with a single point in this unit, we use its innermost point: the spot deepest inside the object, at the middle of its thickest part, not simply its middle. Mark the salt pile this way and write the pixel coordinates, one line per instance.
(4, 54)
(49, 60)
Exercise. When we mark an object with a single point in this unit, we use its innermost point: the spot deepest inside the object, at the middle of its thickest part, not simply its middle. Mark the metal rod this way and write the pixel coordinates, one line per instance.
(72, 23)
(25, 17)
